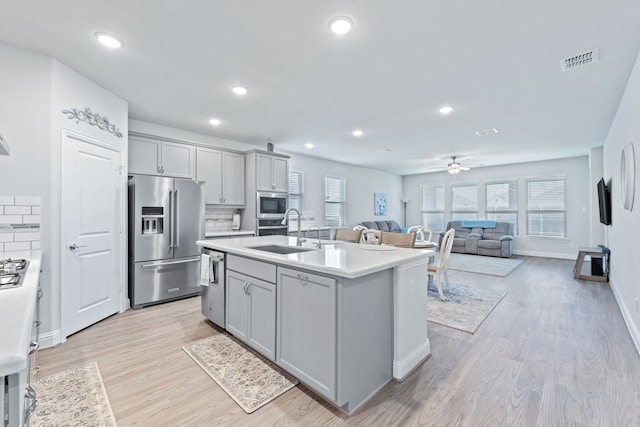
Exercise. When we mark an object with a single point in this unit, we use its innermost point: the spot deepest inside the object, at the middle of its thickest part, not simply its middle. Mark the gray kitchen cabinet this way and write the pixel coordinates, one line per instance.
(157, 157)
(325, 234)
(272, 173)
(251, 307)
(224, 174)
(306, 329)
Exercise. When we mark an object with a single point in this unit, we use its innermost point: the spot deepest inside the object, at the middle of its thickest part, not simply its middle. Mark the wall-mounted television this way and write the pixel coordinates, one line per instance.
(604, 202)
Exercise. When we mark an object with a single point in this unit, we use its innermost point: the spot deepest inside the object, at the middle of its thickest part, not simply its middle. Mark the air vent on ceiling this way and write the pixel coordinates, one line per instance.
(579, 60)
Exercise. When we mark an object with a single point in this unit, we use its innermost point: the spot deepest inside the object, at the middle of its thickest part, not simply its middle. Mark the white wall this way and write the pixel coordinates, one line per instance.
(35, 89)
(361, 183)
(71, 90)
(578, 190)
(624, 233)
(187, 136)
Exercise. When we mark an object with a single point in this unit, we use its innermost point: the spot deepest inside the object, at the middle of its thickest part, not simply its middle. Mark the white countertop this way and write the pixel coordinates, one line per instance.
(336, 258)
(228, 233)
(17, 307)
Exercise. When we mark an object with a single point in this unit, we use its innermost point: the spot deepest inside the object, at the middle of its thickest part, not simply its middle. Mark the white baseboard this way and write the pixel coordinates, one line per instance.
(50, 339)
(626, 315)
(402, 368)
(558, 255)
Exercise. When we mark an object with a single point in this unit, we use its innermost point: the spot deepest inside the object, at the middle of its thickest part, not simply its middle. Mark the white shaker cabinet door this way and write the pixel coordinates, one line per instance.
(233, 179)
(306, 329)
(179, 160)
(237, 305)
(144, 156)
(262, 317)
(209, 170)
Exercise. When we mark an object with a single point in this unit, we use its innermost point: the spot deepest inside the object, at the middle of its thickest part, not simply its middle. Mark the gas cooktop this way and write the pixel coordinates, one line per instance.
(11, 271)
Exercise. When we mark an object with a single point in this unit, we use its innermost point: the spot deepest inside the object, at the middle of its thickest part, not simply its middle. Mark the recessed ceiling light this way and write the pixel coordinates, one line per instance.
(239, 90)
(109, 40)
(215, 122)
(357, 133)
(309, 145)
(341, 25)
(446, 109)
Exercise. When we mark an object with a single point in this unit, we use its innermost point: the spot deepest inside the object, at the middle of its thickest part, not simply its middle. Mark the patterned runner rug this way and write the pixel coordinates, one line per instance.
(75, 397)
(464, 308)
(483, 264)
(249, 380)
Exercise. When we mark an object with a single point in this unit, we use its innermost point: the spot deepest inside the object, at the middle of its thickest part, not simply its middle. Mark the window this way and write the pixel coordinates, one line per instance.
(502, 202)
(432, 206)
(546, 212)
(334, 201)
(294, 198)
(464, 202)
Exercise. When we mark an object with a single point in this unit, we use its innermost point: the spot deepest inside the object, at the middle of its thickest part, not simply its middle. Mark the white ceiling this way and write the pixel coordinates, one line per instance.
(496, 62)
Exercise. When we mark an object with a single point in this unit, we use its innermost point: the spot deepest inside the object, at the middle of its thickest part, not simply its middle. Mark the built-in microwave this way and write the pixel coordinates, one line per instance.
(271, 205)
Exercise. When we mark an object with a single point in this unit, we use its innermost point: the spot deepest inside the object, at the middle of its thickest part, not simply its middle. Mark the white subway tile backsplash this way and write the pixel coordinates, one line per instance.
(19, 223)
(11, 219)
(7, 200)
(28, 201)
(17, 246)
(17, 210)
(31, 219)
(27, 237)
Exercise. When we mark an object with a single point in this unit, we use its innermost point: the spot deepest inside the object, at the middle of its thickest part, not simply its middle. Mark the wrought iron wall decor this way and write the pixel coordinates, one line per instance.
(94, 119)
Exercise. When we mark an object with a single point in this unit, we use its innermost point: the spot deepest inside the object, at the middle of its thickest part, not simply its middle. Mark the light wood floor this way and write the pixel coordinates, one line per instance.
(554, 352)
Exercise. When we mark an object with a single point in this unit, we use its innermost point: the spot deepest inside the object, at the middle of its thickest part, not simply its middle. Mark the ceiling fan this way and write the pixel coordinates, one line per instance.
(455, 167)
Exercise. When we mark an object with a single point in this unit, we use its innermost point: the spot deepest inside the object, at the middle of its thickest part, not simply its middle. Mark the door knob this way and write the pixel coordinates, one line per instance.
(73, 247)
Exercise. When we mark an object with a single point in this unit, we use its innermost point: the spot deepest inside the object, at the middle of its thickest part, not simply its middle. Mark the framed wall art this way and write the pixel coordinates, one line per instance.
(379, 204)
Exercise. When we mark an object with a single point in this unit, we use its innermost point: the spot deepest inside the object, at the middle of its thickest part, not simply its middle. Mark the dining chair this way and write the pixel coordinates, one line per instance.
(348, 235)
(360, 227)
(401, 240)
(371, 237)
(440, 266)
(420, 231)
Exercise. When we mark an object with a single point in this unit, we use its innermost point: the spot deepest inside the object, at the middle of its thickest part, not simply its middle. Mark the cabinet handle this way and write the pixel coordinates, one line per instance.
(303, 277)
(37, 323)
(244, 288)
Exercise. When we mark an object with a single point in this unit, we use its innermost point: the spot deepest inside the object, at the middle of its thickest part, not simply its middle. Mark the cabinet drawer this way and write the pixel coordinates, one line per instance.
(253, 268)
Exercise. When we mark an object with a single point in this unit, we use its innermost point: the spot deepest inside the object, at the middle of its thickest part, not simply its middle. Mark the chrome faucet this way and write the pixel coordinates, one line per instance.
(284, 222)
(319, 245)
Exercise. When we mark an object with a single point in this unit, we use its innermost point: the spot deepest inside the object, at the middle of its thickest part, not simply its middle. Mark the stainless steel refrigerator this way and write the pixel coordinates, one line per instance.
(166, 217)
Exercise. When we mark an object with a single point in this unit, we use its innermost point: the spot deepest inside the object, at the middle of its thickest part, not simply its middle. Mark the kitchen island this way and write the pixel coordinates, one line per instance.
(344, 318)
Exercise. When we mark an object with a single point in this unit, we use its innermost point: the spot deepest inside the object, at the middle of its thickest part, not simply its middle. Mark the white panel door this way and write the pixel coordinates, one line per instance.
(209, 166)
(92, 211)
(233, 179)
(178, 160)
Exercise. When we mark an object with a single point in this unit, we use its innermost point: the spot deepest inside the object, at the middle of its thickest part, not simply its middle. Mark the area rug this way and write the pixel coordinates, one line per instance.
(75, 397)
(249, 380)
(483, 264)
(464, 308)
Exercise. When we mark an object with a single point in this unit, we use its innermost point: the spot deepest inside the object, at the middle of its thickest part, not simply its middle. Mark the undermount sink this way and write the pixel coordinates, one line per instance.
(277, 249)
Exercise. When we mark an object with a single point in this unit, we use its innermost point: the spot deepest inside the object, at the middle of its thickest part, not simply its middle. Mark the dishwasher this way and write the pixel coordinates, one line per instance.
(212, 282)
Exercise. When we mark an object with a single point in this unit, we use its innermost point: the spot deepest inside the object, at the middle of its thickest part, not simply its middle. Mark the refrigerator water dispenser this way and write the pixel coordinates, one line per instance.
(152, 219)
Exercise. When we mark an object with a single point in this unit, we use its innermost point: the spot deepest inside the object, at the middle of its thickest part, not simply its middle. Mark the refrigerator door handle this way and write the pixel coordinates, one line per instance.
(164, 263)
(172, 220)
(176, 240)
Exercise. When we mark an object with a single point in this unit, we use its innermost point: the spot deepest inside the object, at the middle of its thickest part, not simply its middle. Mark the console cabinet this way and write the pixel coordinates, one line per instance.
(223, 173)
(156, 157)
